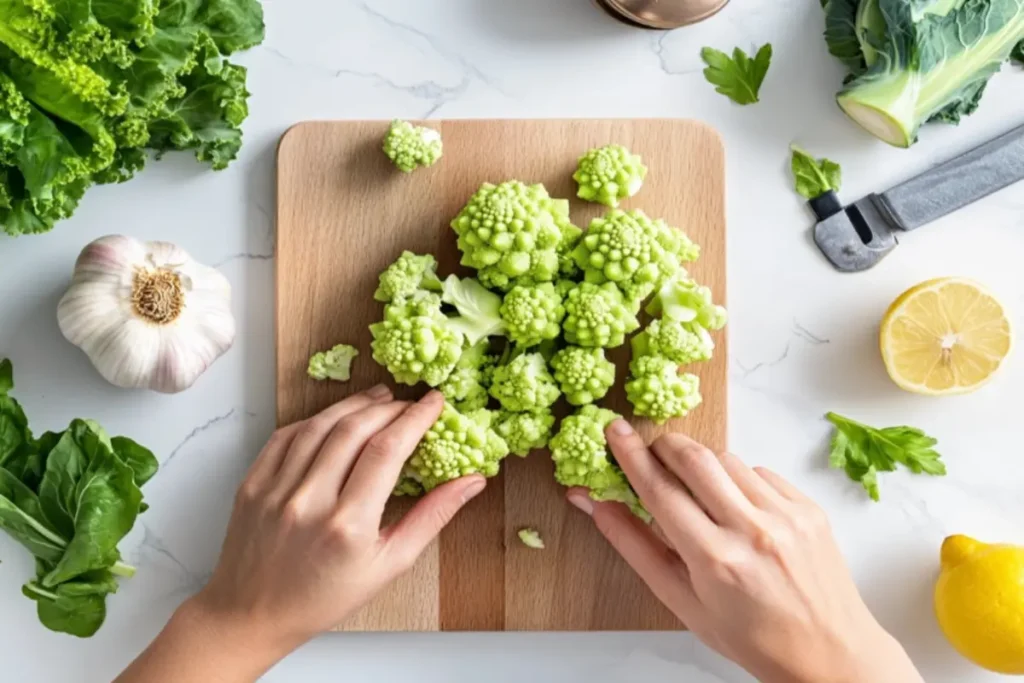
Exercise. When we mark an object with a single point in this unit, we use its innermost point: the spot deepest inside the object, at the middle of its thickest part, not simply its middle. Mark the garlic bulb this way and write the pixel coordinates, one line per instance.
(146, 314)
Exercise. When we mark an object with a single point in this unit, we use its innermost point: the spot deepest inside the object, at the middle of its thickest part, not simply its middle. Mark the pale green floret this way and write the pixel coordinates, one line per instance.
(524, 384)
(531, 539)
(608, 175)
(658, 391)
(510, 232)
(597, 315)
(584, 375)
(571, 236)
(479, 309)
(524, 432)
(335, 364)
(636, 253)
(406, 276)
(683, 299)
(415, 341)
(467, 387)
(410, 147)
(532, 313)
(580, 452)
(458, 445)
(680, 342)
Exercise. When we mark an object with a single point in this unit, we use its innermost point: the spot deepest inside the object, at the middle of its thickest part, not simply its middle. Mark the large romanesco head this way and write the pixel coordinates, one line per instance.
(580, 452)
(658, 391)
(409, 274)
(524, 384)
(636, 253)
(335, 364)
(509, 232)
(597, 315)
(410, 147)
(524, 432)
(583, 374)
(532, 314)
(467, 387)
(608, 175)
(680, 342)
(415, 341)
(459, 444)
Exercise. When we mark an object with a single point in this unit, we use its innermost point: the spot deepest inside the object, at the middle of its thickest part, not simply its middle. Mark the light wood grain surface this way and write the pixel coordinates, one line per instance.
(344, 214)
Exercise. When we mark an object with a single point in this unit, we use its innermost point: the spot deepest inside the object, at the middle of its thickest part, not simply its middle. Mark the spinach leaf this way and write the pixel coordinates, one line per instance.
(77, 607)
(141, 460)
(21, 516)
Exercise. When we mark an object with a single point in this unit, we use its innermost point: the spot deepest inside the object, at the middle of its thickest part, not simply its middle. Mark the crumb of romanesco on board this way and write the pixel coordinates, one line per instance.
(410, 147)
(335, 364)
(531, 539)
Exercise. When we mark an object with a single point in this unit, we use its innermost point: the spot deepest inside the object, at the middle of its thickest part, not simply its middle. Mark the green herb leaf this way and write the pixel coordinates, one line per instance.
(740, 77)
(864, 451)
(814, 177)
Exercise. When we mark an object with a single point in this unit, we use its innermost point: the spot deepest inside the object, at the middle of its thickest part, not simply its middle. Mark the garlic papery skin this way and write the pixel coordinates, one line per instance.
(146, 314)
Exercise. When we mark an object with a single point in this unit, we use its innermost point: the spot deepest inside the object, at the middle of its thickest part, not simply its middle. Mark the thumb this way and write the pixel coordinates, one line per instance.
(408, 538)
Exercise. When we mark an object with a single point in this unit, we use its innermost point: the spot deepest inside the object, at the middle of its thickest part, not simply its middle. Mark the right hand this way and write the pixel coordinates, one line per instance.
(747, 562)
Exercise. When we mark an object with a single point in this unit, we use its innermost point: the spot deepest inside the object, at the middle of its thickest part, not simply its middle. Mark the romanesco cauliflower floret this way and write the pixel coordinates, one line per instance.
(459, 444)
(580, 452)
(532, 313)
(680, 342)
(571, 236)
(608, 175)
(524, 384)
(508, 232)
(636, 253)
(597, 315)
(479, 308)
(524, 432)
(407, 275)
(467, 387)
(681, 298)
(584, 375)
(335, 364)
(409, 147)
(415, 341)
(657, 390)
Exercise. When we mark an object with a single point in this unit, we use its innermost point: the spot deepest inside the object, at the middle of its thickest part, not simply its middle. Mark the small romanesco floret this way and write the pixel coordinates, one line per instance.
(509, 232)
(597, 315)
(458, 445)
(571, 236)
(584, 375)
(608, 175)
(479, 308)
(680, 342)
(410, 147)
(682, 299)
(636, 253)
(531, 539)
(524, 432)
(580, 452)
(658, 391)
(532, 314)
(408, 275)
(335, 364)
(524, 384)
(416, 342)
(467, 387)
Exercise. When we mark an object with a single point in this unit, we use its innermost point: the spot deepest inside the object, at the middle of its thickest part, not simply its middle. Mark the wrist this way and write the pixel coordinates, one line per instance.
(880, 660)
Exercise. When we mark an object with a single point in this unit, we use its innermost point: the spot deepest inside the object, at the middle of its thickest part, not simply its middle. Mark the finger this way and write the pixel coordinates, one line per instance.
(312, 433)
(380, 463)
(702, 473)
(687, 527)
(261, 474)
(332, 465)
(756, 489)
(406, 540)
(781, 485)
(654, 561)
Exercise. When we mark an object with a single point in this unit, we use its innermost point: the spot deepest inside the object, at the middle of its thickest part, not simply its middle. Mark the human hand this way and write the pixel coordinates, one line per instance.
(747, 562)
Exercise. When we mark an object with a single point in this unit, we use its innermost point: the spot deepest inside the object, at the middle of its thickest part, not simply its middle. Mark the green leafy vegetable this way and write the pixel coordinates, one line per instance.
(814, 177)
(740, 77)
(864, 451)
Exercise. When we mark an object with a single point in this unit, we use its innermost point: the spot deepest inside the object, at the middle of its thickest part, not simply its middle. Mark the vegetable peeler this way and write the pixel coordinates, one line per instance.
(858, 236)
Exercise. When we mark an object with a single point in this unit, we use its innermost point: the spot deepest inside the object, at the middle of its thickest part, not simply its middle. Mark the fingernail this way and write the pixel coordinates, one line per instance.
(473, 490)
(432, 397)
(583, 502)
(621, 428)
(379, 391)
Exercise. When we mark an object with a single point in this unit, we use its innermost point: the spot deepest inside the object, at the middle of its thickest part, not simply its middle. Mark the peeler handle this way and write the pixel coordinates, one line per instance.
(956, 183)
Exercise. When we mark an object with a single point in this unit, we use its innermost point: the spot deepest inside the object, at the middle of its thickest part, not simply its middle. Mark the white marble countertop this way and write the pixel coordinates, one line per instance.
(803, 336)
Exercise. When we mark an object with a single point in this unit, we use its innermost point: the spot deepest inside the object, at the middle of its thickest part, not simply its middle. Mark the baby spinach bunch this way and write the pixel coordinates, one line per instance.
(69, 497)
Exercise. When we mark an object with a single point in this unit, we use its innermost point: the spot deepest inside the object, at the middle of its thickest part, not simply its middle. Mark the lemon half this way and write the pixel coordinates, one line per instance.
(945, 336)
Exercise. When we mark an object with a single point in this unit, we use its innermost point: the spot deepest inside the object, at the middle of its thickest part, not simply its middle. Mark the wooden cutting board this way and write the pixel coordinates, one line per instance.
(344, 214)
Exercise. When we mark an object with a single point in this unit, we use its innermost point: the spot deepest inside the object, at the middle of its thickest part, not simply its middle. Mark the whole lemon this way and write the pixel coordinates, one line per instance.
(979, 602)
